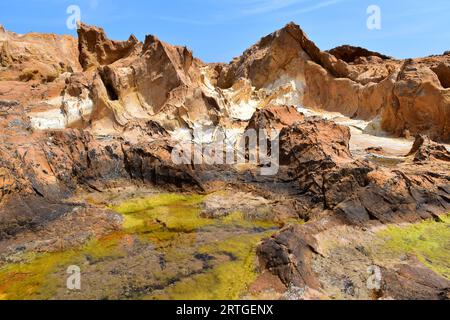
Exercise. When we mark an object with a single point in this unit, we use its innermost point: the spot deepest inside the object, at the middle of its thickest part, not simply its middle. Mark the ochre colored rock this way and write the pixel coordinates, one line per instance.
(151, 80)
(98, 113)
(36, 57)
(408, 98)
(274, 118)
(314, 141)
(130, 80)
(426, 150)
(97, 50)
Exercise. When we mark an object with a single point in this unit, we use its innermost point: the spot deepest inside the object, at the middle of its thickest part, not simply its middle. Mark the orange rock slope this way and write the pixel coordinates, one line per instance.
(106, 85)
(409, 97)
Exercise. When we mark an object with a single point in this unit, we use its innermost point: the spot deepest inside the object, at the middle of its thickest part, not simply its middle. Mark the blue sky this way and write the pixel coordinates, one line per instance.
(218, 30)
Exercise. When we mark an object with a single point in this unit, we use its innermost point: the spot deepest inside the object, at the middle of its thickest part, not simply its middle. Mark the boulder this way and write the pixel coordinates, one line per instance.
(426, 150)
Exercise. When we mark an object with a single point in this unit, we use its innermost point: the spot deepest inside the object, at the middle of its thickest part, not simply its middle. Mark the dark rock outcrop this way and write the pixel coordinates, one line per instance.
(351, 54)
(336, 189)
(426, 150)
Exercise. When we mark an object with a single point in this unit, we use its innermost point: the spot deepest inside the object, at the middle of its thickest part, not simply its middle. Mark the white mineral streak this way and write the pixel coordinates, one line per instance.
(65, 112)
(51, 119)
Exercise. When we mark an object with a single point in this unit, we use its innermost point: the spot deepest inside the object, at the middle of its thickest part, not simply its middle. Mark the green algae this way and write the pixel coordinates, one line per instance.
(178, 219)
(240, 219)
(429, 241)
(37, 279)
(293, 221)
(165, 199)
(172, 212)
(172, 223)
(31, 281)
(228, 280)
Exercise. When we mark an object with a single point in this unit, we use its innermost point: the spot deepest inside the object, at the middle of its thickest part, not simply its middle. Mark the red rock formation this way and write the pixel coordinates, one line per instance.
(101, 113)
(35, 56)
(337, 190)
(419, 104)
(97, 50)
(408, 98)
(140, 91)
(150, 80)
(274, 118)
(426, 150)
(157, 81)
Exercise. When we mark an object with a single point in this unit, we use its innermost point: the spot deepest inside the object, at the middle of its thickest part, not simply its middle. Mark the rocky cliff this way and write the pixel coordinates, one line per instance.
(105, 85)
(93, 114)
(409, 97)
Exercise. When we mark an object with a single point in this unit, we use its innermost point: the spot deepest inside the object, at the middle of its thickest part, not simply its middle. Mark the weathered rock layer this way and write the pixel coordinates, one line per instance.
(96, 113)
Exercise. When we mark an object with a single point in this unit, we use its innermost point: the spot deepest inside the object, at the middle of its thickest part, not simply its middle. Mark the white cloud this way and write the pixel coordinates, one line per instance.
(254, 7)
(240, 9)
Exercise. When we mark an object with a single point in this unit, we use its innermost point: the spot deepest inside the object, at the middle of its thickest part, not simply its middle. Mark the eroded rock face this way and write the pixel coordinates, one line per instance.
(442, 70)
(414, 282)
(274, 117)
(36, 57)
(289, 256)
(150, 80)
(426, 150)
(336, 189)
(101, 113)
(314, 141)
(37, 177)
(97, 50)
(276, 56)
(359, 83)
(420, 105)
(130, 80)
